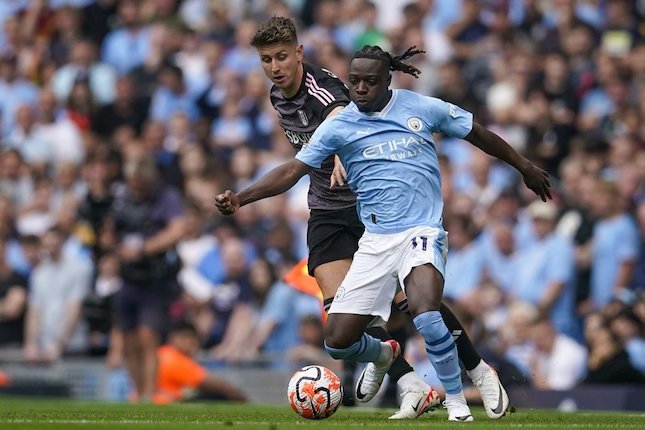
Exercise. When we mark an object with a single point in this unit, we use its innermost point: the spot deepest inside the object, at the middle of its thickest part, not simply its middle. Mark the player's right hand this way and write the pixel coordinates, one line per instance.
(227, 202)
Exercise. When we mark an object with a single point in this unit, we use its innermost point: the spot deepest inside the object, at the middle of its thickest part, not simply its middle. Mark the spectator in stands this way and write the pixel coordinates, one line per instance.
(501, 258)
(231, 130)
(127, 47)
(196, 289)
(242, 57)
(638, 281)
(629, 330)
(97, 18)
(95, 205)
(98, 311)
(181, 378)
(468, 30)
(16, 92)
(230, 297)
(60, 133)
(559, 362)
(311, 348)
(35, 217)
(615, 247)
(515, 336)
(23, 254)
(80, 105)
(83, 64)
(127, 110)
(56, 291)
(576, 220)
(608, 363)
(15, 182)
(545, 271)
(13, 301)
(171, 96)
(279, 308)
(464, 272)
(148, 222)
(67, 29)
(25, 139)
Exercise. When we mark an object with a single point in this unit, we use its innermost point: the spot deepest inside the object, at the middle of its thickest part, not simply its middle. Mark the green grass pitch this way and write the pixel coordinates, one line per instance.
(22, 414)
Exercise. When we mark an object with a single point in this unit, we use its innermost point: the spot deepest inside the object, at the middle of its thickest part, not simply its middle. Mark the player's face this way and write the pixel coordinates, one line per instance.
(281, 63)
(369, 80)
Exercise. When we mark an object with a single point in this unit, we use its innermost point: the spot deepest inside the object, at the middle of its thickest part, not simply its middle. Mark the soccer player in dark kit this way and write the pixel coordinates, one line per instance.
(304, 96)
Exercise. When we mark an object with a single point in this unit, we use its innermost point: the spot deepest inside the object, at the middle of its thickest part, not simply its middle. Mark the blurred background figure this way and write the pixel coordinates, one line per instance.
(181, 378)
(148, 221)
(559, 362)
(56, 291)
(13, 302)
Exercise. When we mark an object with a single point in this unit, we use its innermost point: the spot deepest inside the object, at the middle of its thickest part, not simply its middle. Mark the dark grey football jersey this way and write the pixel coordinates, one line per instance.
(300, 115)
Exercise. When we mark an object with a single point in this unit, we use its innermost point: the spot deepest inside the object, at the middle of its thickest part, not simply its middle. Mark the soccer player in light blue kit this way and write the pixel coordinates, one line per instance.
(384, 139)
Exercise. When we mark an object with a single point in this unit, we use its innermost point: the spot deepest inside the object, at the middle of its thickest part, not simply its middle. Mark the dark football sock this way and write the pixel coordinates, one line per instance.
(327, 304)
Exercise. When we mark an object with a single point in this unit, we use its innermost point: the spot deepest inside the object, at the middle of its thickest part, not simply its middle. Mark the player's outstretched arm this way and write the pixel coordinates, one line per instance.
(535, 178)
(277, 181)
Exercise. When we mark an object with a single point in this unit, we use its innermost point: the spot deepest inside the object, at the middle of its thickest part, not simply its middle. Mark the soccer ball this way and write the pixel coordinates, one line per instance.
(315, 392)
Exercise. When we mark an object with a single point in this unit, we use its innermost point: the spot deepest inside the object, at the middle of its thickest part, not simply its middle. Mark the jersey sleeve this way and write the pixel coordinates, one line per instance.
(322, 144)
(327, 92)
(447, 118)
(339, 92)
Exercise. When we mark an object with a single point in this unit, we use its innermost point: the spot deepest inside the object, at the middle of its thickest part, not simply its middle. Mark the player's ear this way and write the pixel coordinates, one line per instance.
(300, 52)
(389, 79)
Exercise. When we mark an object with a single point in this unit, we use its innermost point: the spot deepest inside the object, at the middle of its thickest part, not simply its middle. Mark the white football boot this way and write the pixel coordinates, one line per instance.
(372, 376)
(416, 402)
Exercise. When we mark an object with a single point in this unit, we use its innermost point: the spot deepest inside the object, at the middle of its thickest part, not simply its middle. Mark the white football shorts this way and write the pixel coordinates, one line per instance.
(381, 263)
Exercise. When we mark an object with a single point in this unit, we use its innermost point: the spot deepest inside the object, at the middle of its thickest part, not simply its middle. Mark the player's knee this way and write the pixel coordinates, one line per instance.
(335, 337)
(421, 306)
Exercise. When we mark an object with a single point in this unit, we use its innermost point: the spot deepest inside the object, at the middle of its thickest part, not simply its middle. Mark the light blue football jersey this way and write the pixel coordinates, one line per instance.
(391, 158)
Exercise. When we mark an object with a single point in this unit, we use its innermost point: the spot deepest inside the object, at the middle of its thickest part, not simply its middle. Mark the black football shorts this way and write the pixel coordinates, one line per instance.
(332, 235)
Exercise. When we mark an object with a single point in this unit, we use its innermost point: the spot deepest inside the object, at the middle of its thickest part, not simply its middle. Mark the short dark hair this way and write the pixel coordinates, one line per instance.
(169, 67)
(277, 29)
(183, 327)
(29, 239)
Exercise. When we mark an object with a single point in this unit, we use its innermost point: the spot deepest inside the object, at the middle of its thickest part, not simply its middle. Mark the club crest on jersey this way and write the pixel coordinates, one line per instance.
(303, 117)
(414, 124)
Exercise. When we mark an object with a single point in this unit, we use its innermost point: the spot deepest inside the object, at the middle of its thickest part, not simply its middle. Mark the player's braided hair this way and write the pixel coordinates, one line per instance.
(394, 63)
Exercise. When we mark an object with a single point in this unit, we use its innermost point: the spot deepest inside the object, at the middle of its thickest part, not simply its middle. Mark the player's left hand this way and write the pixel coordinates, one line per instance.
(338, 175)
(537, 180)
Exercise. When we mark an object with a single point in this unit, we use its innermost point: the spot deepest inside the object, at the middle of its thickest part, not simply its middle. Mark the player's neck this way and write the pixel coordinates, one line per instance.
(384, 102)
(297, 82)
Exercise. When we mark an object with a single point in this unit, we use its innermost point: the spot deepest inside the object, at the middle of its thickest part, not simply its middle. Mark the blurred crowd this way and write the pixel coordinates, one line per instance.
(121, 119)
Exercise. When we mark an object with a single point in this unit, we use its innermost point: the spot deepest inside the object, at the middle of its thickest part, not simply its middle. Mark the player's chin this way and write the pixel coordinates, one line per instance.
(280, 82)
(363, 105)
